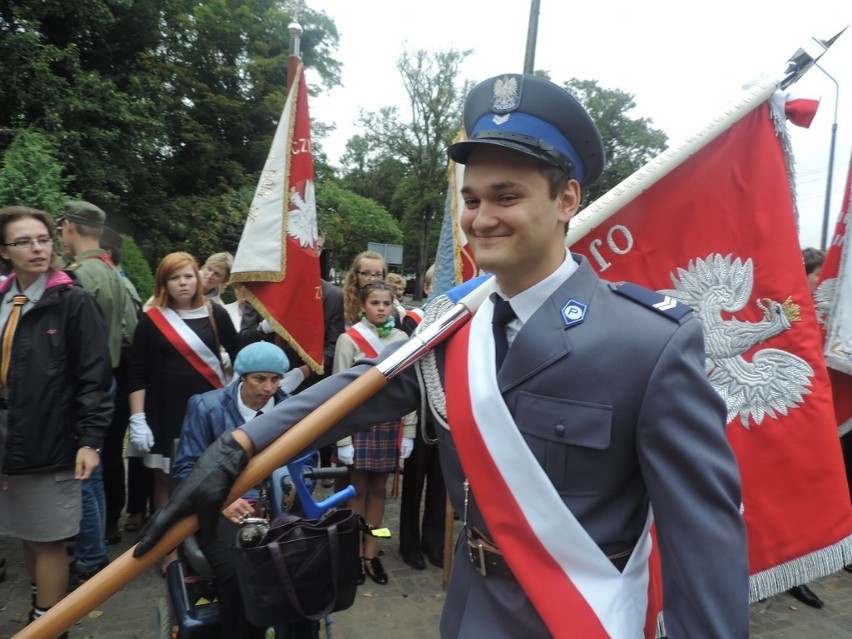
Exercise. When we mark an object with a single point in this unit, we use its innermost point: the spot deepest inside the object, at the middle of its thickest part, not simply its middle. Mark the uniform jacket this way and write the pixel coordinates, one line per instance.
(104, 282)
(618, 411)
(59, 380)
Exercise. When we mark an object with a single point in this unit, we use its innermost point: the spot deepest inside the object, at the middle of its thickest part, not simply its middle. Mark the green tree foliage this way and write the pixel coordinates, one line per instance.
(31, 175)
(350, 222)
(136, 268)
(629, 142)
(160, 111)
(418, 144)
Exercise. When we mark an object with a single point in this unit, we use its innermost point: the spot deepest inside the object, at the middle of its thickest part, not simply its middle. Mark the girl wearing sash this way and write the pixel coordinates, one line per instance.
(174, 356)
(372, 454)
(367, 267)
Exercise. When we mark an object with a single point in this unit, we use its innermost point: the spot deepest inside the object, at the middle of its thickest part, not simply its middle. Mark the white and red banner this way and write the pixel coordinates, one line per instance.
(834, 308)
(713, 225)
(277, 261)
(454, 261)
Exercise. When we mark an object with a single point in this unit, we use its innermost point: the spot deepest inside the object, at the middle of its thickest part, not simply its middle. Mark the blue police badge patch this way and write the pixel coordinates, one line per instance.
(573, 312)
(506, 93)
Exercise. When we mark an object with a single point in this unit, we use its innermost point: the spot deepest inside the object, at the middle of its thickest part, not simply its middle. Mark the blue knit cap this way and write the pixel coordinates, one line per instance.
(261, 357)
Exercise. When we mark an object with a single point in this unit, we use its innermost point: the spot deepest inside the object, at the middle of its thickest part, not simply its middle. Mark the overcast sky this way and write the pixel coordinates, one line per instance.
(682, 62)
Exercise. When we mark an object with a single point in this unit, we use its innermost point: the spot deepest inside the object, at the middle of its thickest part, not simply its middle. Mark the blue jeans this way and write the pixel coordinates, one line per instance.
(90, 551)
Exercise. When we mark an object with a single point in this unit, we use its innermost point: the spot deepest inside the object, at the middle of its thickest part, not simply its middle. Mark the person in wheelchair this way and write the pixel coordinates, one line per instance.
(260, 367)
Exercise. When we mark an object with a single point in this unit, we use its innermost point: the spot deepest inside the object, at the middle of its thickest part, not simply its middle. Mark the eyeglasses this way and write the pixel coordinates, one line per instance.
(28, 244)
(371, 274)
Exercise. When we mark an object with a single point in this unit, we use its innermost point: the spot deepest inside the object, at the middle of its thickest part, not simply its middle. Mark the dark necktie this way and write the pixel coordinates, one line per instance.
(8, 333)
(503, 314)
(258, 413)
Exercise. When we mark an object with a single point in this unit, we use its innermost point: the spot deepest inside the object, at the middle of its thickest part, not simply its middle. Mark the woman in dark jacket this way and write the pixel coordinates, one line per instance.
(55, 405)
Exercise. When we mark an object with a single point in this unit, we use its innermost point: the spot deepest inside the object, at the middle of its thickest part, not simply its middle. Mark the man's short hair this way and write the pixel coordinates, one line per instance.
(813, 259)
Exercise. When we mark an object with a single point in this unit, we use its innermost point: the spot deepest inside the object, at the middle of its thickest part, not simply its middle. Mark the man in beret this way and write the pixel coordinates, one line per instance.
(574, 414)
(81, 225)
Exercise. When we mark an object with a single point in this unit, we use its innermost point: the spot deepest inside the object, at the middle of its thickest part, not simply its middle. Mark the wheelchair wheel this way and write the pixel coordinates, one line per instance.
(166, 628)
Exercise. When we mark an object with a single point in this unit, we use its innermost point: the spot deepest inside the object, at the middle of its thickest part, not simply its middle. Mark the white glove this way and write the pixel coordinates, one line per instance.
(346, 454)
(406, 448)
(266, 327)
(141, 438)
(291, 380)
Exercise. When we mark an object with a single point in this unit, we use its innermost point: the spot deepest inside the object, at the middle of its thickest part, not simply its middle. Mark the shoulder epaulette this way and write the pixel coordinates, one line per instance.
(663, 304)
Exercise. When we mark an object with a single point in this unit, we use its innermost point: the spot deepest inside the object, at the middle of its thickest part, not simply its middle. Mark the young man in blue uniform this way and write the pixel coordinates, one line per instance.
(574, 414)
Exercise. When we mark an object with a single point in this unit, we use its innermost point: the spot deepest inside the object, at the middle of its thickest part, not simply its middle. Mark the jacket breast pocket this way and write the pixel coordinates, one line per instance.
(570, 439)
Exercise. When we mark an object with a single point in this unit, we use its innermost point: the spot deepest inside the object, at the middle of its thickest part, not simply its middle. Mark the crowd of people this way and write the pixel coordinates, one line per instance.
(105, 400)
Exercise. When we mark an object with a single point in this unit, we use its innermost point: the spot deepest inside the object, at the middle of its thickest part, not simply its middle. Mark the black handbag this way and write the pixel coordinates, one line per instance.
(301, 568)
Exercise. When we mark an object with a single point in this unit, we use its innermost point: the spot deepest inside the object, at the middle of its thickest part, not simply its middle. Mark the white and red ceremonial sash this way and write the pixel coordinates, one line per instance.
(187, 342)
(415, 315)
(365, 339)
(834, 309)
(276, 261)
(571, 583)
(712, 224)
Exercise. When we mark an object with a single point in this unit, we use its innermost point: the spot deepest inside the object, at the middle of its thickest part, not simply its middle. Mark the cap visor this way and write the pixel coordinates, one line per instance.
(460, 151)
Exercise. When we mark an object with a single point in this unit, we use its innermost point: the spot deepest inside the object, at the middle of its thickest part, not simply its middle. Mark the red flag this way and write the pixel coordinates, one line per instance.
(834, 309)
(277, 261)
(718, 231)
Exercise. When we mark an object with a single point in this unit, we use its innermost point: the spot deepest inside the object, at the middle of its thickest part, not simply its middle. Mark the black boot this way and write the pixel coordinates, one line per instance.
(806, 596)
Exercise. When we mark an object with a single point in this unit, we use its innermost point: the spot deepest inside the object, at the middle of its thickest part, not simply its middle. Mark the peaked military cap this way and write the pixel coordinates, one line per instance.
(534, 116)
(84, 213)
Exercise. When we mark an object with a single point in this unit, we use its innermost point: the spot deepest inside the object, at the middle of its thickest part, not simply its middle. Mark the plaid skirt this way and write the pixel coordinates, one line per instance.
(377, 449)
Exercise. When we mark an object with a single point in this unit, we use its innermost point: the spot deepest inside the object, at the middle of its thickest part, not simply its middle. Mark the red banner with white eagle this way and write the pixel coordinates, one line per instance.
(277, 260)
(833, 297)
(718, 231)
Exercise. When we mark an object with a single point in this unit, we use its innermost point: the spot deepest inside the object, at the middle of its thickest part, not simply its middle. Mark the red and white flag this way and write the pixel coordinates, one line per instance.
(454, 261)
(276, 260)
(712, 223)
(834, 309)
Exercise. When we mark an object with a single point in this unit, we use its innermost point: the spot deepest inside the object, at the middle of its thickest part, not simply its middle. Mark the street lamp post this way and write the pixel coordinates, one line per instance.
(827, 211)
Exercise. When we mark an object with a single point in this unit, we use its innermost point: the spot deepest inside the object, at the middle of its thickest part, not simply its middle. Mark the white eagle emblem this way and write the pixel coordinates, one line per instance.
(823, 300)
(302, 216)
(774, 381)
(504, 96)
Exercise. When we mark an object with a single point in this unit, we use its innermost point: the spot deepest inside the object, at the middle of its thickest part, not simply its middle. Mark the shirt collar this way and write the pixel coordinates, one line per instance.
(249, 413)
(528, 302)
(33, 292)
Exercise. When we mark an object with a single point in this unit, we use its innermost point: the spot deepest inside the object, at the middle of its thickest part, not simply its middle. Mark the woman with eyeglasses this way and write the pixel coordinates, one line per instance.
(367, 267)
(55, 405)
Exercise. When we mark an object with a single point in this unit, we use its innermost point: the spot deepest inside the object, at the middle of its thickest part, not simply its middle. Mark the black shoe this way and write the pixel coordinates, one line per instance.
(435, 558)
(376, 571)
(414, 559)
(77, 578)
(806, 596)
(112, 534)
(848, 568)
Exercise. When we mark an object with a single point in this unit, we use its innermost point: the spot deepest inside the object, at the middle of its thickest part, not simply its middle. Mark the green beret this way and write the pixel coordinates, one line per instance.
(84, 213)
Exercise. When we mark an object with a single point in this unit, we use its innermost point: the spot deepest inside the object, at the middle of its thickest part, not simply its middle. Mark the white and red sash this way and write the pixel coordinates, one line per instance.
(415, 315)
(188, 344)
(366, 340)
(571, 583)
